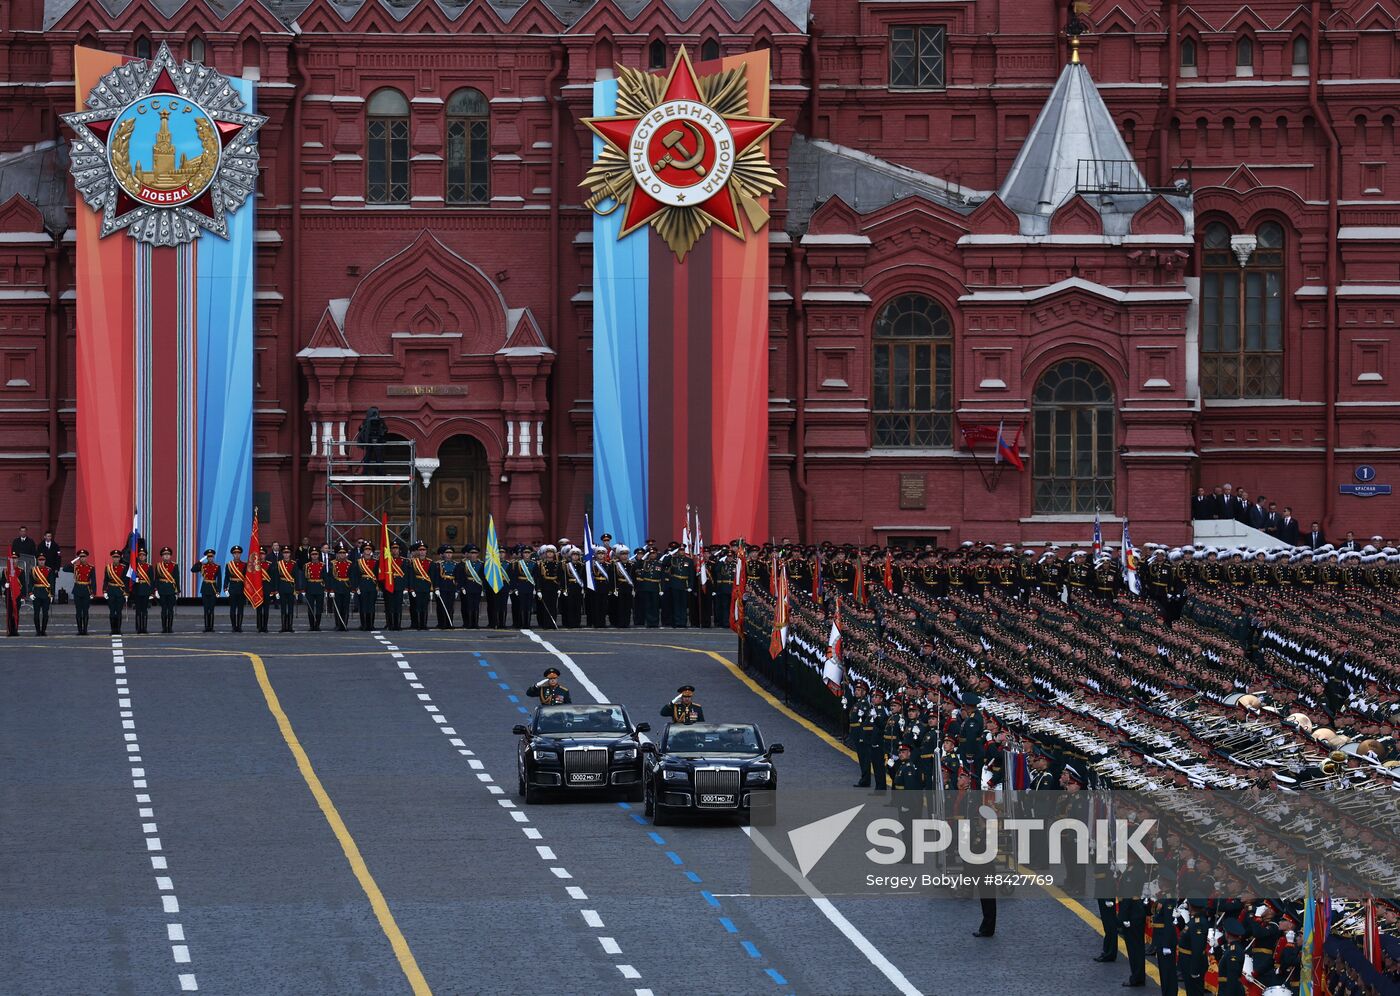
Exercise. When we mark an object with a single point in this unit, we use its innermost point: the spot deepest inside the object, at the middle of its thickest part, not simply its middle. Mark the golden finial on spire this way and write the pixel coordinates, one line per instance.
(1075, 28)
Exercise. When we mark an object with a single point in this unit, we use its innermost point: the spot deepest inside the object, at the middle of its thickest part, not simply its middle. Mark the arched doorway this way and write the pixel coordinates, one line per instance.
(454, 509)
(1075, 451)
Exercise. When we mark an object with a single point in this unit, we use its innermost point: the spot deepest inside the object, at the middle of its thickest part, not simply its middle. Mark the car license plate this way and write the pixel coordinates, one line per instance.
(715, 799)
(586, 776)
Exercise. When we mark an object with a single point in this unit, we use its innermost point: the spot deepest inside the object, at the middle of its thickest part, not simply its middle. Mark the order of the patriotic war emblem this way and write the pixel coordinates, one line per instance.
(164, 150)
(682, 154)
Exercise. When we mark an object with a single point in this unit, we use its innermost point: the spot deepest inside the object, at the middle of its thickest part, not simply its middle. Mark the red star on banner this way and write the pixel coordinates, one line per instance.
(721, 206)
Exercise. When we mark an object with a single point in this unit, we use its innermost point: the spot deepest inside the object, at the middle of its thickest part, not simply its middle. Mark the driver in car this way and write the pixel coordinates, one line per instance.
(735, 741)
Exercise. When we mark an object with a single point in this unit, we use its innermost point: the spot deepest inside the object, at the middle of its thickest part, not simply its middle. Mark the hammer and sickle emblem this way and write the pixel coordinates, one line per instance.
(674, 140)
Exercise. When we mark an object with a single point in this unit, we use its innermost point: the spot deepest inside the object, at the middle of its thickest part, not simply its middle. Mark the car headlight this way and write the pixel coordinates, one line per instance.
(625, 754)
(674, 774)
(546, 755)
(758, 776)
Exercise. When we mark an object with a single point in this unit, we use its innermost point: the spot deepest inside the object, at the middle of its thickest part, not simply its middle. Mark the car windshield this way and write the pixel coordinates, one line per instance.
(577, 721)
(713, 738)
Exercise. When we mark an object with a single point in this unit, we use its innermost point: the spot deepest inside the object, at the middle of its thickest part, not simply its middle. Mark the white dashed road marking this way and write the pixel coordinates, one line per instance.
(165, 885)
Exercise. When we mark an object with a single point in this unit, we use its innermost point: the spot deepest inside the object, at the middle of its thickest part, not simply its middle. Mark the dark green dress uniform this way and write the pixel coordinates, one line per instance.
(680, 582)
(211, 577)
(41, 587)
(235, 576)
(521, 574)
(141, 587)
(1132, 924)
(393, 600)
(167, 578)
(650, 575)
(420, 587)
(872, 750)
(84, 590)
(1263, 940)
(313, 582)
(548, 690)
(445, 580)
(366, 576)
(722, 589)
(114, 590)
(683, 710)
(1164, 944)
(551, 577)
(472, 582)
(338, 584)
(285, 580)
(1230, 959)
(1193, 951)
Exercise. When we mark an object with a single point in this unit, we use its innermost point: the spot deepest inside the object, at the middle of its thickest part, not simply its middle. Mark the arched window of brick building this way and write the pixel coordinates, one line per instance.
(468, 148)
(1188, 57)
(143, 47)
(1242, 313)
(912, 396)
(709, 50)
(387, 161)
(1074, 455)
(197, 49)
(656, 55)
(1244, 57)
(1300, 56)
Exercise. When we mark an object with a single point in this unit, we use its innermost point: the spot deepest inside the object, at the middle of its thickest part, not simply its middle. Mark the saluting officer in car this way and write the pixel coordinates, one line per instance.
(683, 708)
(548, 690)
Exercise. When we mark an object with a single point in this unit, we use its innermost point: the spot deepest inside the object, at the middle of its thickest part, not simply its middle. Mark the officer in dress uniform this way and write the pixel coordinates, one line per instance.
(84, 589)
(683, 708)
(872, 730)
(551, 578)
(420, 586)
(167, 579)
(650, 576)
(906, 782)
(235, 577)
(473, 583)
(286, 582)
(1164, 931)
(366, 577)
(141, 587)
(571, 603)
(313, 580)
(1193, 950)
(41, 577)
(1132, 925)
(444, 573)
(680, 582)
(722, 585)
(210, 576)
(114, 590)
(624, 589)
(1230, 959)
(597, 599)
(338, 582)
(393, 600)
(548, 690)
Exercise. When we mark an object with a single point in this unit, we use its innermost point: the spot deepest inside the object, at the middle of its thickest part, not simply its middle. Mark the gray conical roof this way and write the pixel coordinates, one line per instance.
(1074, 125)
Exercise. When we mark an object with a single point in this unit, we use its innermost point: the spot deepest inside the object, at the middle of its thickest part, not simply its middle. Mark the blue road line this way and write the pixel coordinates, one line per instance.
(693, 877)
(775, 975)
(491, 675)
(523, 709)
(675, 858)
(476, 653)
(750, 948)
(514, 698)
(710, 899)
(624, 805)
(728, 925)
(641, 820)
(504, 686)
(656, 838)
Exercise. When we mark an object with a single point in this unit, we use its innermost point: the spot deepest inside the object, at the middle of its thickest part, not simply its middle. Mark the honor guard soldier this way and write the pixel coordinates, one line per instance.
(420, 586)
(210, 582)
(872, 730)
(41, 577)
(339, 580)
(473, 584)
(1193, 948)
(722, 585)
(650, 576)
(683, 708)
(1230, 959)
(624, 589)
(235, 578)
(520, 577)
(571, 602)
(445, 580)
(597, 598)
(1163, 949)
(84, 589)
(12, 590)
(1132, 925)
(366, 579)
(114, 590)
(393, 590)
(141, 586)
(258, 567)
(904, 776)
(166, 575)
(285, 579)
(680, 582)
(550, 573)
(548, 690)
(313, 580)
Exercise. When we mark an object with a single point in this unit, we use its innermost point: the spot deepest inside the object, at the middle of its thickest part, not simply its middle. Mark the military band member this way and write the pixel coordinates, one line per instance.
(393, 591)
(1230, 959)
(1193, 949)
(84, 589)
(339, 580)
(445, 581)
(41, 577)
(167, 580)
(114, 590)
(548, 690)
(473, 584)
(366, 579)
(420, 586)
(140, 587)
(235, 578)
(683, 708)
(210, 582)
(285, 579)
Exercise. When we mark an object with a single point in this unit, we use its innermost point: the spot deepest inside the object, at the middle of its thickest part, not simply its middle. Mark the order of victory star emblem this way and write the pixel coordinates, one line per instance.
(164, 150)
(682, 154)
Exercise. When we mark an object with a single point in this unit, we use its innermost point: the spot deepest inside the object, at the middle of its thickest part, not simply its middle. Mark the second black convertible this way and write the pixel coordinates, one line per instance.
(707, 768)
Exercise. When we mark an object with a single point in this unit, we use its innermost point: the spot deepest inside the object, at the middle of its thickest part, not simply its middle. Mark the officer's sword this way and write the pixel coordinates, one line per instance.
(446, 611)
(552, 622)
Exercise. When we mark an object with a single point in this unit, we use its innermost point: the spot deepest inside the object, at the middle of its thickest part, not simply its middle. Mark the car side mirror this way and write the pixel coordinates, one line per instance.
(643, 728)
(520, 730)
(648, 747)
(775, 748)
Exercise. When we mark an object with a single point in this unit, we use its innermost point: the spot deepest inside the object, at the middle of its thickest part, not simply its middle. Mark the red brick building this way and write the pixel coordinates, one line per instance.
(1183, 269)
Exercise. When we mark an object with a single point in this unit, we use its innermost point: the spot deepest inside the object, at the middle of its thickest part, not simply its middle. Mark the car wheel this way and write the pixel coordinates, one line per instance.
(649, 808)
(533, 796)
(660, 817)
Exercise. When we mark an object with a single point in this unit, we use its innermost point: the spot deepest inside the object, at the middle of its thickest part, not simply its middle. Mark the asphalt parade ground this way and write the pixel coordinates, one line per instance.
(336, 813)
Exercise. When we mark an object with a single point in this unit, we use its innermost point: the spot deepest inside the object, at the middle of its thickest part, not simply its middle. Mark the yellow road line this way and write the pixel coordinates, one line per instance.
(1071, 904)
(382, 913)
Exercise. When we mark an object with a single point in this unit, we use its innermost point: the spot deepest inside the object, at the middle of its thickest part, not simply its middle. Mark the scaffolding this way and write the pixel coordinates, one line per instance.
(363, 492)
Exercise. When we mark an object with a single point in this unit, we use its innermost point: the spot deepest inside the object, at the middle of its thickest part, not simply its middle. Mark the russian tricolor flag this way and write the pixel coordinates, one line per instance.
(133, 544)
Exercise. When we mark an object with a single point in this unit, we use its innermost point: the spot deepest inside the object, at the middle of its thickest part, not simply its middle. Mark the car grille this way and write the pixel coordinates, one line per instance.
(717, 788)
(585, 766)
